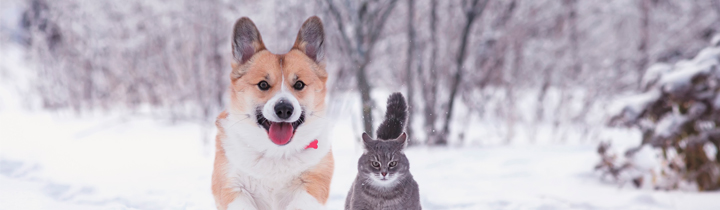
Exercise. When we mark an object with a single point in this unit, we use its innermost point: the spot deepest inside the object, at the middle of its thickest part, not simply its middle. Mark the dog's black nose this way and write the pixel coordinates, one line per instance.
(283, 109)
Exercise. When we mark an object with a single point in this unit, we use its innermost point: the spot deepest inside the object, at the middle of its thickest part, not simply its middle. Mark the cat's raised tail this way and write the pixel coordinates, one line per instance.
(395, 118)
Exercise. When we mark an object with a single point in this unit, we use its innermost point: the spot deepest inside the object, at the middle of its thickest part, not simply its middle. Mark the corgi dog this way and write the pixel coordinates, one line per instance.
(272, 151)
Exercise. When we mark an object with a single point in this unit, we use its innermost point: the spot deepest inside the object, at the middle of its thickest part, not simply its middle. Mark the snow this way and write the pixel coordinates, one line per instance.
(710, 150)
(669, 125)
(115, 162)
(646, 158)
(630, 107)
(715, 41)
(705, 62)
(654, 72)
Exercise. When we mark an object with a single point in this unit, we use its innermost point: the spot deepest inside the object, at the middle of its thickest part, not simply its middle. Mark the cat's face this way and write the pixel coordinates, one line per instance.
(383, 161)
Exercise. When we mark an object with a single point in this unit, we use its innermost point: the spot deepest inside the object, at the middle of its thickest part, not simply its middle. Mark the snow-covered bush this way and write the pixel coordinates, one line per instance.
(679, 117)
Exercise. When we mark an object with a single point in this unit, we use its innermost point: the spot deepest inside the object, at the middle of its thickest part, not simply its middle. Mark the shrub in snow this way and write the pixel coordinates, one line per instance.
(679, 117)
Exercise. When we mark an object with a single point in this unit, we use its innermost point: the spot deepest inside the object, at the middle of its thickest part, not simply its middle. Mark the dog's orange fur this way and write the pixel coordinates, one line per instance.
(223, 194)
(266, 66)
(316, 181)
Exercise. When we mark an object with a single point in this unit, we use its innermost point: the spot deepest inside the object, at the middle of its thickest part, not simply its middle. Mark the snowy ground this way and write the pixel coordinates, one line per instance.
(59, 161)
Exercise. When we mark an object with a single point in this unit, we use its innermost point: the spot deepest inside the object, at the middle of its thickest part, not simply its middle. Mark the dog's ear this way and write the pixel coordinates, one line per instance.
(310, 38)
(246, 40)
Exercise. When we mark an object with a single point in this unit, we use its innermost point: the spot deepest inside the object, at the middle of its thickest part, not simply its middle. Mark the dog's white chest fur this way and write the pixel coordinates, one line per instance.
(268, 172)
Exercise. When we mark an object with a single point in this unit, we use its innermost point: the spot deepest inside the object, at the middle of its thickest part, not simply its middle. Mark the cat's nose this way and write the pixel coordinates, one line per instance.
(384, 173)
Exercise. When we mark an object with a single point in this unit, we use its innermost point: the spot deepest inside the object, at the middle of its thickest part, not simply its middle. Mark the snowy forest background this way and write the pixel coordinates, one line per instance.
(620, 97)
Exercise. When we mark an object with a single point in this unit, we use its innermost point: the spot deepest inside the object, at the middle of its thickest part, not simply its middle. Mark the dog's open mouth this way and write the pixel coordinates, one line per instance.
(280, 133)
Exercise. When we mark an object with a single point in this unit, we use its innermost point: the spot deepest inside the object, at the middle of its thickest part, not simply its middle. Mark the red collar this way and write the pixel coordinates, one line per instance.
(312, 144)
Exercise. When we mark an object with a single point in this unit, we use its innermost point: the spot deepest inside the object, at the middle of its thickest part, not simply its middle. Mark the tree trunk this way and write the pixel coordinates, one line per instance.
(366, 100)
(408, 72)
(430, 93)
(574, 44)
(475, 10)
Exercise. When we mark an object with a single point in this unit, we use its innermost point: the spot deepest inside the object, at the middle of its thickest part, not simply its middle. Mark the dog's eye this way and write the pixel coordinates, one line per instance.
(263, 85)
(393, 164)
(299, 85)
(375, 164)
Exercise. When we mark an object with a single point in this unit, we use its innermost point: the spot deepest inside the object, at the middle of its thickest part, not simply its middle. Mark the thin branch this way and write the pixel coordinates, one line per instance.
(375, 33)
(339, 23)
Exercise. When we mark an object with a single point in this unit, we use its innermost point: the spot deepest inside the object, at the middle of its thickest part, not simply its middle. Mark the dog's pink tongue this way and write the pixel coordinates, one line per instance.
(280, 133)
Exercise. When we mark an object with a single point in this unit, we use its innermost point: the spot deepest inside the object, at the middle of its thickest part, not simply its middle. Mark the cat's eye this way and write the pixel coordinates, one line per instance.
(299, 85)
(393, 164)
(375, 164)
(263, 85)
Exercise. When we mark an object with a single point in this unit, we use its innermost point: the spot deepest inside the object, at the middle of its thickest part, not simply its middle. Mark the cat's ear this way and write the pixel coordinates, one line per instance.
(402, 139)
(366, 139)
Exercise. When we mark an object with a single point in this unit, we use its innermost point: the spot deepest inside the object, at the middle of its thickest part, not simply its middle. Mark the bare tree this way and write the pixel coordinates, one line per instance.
(574, 42)
(367, 20)
(408, 70)
(472, 10)
(429, 79)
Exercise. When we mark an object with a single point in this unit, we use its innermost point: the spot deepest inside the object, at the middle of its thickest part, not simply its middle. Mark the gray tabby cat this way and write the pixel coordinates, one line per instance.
(384, 180)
